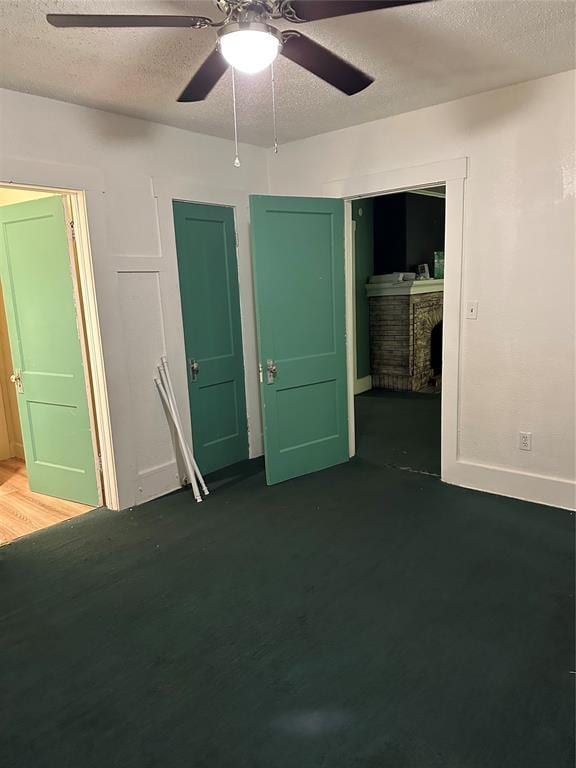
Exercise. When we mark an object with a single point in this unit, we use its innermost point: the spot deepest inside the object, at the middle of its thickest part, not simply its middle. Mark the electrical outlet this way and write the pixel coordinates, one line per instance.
(525, 441)
(471, 310)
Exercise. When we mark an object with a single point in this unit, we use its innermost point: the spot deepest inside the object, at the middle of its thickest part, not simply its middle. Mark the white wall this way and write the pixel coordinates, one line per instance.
(122, 162)
(517, 363)
(517, 359)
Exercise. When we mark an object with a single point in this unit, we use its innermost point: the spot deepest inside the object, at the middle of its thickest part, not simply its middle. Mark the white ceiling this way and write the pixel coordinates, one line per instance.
(420, 55)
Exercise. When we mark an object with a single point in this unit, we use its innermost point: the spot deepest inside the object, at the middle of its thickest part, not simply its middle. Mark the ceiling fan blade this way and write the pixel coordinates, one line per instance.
(312, 10)
(125, 20)
(205, 78)
(324, 64)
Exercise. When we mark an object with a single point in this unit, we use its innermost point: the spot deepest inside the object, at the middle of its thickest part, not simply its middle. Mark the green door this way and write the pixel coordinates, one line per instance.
(298, 255)
(35, 269)
(206, 248)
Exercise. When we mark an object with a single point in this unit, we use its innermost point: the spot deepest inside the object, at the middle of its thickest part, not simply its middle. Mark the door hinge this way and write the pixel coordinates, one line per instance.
(99, 463)
(72, 231)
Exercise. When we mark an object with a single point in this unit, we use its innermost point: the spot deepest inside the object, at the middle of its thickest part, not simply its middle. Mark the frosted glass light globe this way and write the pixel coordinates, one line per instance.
(249, 50)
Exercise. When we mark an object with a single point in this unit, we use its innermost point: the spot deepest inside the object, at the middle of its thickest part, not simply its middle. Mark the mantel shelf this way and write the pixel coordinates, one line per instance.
(404, 288)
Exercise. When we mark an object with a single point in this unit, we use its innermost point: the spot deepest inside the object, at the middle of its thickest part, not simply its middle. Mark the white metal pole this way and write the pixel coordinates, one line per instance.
(165, 377)
(190, 469)
(189, 456)
(170, 389)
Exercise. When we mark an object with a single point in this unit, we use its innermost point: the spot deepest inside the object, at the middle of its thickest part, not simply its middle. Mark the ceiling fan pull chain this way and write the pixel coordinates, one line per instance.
(274, 108)
(237, 158)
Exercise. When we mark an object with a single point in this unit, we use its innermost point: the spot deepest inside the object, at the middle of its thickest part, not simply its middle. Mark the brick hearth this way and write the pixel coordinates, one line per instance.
(401, 340)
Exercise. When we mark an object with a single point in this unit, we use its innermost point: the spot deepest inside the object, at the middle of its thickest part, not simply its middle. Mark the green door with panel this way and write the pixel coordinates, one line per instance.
(208, 270)
(298, 258)
(35, 268)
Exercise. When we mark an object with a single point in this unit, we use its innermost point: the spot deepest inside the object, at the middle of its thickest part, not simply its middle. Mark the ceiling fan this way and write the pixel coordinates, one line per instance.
(249, 43)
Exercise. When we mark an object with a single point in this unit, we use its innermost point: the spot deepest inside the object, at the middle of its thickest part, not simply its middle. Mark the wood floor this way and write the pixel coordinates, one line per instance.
(21, 510)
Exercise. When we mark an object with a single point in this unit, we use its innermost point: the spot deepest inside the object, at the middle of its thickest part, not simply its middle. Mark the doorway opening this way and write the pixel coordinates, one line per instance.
(50, 466)
(398, 243)
(206, 251)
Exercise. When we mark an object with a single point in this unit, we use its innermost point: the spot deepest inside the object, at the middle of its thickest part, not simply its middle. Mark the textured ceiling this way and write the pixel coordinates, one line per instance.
(420, 55)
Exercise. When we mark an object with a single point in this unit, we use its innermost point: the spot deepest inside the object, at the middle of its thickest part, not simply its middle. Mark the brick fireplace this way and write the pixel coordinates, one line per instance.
(406, 334)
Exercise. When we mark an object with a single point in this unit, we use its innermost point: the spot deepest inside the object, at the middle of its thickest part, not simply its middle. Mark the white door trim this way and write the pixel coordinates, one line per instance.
(452, 173)
(76, 181)
(350, 321)
(76, 253)
(398, 180)
(363, 384)
(95, 352)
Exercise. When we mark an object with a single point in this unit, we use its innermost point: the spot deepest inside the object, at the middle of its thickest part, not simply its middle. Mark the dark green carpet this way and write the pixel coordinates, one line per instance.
(399, 429)
(357, 618)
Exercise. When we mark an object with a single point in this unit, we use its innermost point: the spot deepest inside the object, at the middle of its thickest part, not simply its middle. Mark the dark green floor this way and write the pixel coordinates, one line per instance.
(399, 429)
(362, 617)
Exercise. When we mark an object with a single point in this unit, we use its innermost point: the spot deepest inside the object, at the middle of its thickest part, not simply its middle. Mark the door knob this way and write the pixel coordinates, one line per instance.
(16, 378)
(271, 371)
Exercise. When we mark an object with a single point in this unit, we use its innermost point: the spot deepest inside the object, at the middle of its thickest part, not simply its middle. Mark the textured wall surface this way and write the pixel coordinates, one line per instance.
(518, 260)
(418, 55)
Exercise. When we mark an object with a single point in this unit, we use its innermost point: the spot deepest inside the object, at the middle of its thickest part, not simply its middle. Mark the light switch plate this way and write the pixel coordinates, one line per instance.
(471, 310)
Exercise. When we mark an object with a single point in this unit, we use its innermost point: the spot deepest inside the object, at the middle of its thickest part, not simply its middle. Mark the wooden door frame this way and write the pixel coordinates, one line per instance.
(452, 174)
(90, 338)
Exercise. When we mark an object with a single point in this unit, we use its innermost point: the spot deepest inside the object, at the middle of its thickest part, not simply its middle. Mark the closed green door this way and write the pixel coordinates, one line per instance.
(298, 256)
(35, 269)
(206, 248)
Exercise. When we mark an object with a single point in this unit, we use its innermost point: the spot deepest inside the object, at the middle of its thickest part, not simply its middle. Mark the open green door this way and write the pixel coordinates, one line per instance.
(35, 270)
(298, 256)
(208, 270)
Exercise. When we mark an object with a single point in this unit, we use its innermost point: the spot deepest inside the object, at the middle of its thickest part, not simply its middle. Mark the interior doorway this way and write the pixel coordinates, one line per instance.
(49, 444)
(398, 244)
(206, 251)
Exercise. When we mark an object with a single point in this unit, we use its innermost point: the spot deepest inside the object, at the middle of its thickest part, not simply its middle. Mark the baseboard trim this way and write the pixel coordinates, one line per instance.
(362, 385)
(539, 489)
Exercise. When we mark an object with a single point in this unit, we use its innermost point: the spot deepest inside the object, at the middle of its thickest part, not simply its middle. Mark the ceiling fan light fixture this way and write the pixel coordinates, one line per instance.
(249, 47)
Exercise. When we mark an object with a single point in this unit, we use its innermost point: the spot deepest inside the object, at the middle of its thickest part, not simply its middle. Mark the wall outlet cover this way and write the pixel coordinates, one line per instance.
(525, 441)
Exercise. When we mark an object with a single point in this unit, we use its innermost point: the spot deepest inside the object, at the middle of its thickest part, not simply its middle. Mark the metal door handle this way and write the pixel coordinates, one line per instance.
(271, 371)
(16, 378)
(194, 368)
